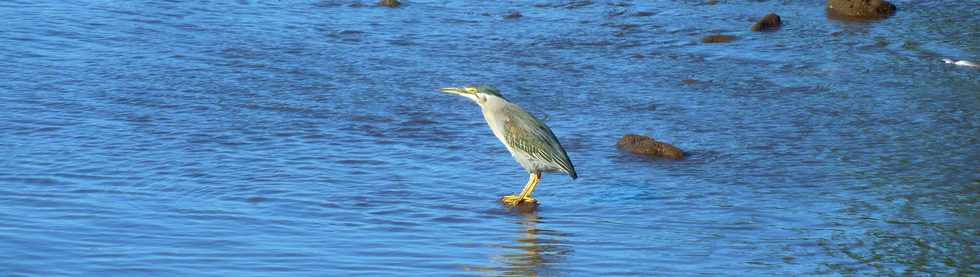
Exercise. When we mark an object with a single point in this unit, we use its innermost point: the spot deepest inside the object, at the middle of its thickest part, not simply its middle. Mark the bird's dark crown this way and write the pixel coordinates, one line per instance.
(486, 89)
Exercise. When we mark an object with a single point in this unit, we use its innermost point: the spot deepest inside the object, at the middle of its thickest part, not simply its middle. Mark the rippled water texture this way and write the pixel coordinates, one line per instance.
(308, 138)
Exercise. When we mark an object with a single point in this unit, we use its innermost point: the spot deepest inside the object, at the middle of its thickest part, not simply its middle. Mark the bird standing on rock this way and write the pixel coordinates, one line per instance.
(530, 141)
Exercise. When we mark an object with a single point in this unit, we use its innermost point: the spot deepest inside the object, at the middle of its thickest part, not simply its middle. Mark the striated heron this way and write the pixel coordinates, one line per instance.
(530, 141)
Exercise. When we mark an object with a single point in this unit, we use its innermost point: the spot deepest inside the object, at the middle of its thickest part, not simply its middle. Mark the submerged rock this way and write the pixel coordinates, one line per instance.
(770, 22)
(389, 3)
(860, 9)
(717, 38)
(647, 146)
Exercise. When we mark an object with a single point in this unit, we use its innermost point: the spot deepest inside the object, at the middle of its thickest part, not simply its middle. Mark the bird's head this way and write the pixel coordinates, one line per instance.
(479, 94)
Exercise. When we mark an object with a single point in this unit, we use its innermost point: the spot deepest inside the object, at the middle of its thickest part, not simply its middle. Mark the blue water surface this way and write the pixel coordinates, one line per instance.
(308, 138)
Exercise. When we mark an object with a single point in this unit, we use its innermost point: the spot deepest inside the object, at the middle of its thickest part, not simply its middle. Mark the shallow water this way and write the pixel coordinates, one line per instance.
(308, 138)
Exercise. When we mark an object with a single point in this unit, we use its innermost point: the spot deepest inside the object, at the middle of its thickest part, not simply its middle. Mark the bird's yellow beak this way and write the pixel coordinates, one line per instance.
(456, 91)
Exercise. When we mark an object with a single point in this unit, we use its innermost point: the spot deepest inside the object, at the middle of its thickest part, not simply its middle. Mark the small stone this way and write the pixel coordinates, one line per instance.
(770, 22)
(390, 3)
(647, 146)
(717, 38)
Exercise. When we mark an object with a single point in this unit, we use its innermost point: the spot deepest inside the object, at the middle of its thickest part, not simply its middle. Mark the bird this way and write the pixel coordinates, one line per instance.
(960, 63)
(532, 144)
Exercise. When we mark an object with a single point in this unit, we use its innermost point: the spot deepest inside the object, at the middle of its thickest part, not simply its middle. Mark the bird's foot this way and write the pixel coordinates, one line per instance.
(515, 201)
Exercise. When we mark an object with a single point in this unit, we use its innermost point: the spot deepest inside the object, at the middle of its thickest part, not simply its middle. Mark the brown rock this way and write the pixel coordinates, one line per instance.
(860, 9)
(770, 22)
(717, 38)
(647, 146)
(389, 3)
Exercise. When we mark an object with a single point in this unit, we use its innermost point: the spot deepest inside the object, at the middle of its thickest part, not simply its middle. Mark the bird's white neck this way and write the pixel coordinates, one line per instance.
(492, 102)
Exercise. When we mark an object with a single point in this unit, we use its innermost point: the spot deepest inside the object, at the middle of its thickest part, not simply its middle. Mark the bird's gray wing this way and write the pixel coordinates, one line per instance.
(528, 134)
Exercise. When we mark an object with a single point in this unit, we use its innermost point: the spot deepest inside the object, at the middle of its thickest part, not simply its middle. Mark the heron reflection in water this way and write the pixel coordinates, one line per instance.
(539, 250)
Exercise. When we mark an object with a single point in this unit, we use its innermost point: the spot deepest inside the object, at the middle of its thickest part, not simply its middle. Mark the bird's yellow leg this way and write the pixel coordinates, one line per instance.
(531, 184)
(525, 196)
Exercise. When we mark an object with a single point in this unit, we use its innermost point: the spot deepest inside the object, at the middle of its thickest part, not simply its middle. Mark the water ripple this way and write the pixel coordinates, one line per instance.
(262, 138)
